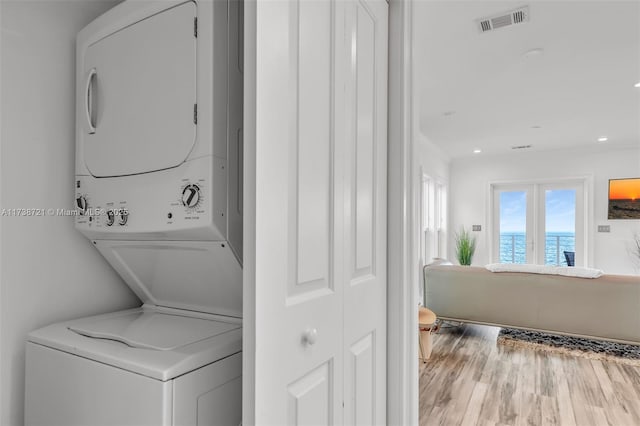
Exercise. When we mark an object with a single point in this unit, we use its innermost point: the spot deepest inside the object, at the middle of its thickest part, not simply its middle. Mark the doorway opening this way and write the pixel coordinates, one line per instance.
(539, 223)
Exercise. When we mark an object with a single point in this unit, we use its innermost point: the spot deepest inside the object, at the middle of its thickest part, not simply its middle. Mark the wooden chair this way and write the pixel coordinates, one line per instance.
(426, 326)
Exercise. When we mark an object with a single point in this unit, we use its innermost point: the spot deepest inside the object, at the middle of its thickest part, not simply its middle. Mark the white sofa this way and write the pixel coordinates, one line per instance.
(606, 308)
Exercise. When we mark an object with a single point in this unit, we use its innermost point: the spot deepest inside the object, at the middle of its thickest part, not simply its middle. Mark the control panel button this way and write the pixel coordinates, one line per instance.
(111, 217)
(191, 196)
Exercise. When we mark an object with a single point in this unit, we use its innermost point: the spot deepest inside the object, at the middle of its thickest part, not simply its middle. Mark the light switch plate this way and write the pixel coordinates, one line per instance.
(604, 228)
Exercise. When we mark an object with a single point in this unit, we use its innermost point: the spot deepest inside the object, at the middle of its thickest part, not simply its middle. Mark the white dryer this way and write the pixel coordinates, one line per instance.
(158, 191)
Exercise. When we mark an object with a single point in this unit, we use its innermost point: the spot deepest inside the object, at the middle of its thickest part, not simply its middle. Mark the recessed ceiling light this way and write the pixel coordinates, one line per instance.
(533, 52)
(603, 139)
(477, 151)
(637, 84)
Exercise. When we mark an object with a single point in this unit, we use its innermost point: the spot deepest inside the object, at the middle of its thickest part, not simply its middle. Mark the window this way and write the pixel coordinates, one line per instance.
(433, 224)
(538, 222)
(433, 219)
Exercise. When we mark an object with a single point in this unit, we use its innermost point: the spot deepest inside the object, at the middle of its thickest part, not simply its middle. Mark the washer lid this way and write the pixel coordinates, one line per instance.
(152, 330)
(201, 276)
(159, 343)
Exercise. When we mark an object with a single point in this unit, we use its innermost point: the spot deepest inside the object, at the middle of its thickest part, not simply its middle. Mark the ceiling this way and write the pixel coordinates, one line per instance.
(482, 91)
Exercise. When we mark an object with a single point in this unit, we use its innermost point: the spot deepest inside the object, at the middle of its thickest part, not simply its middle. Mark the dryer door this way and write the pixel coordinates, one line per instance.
(140, 95)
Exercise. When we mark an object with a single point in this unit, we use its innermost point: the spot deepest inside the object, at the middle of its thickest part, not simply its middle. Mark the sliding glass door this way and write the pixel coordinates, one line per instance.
(541, 223)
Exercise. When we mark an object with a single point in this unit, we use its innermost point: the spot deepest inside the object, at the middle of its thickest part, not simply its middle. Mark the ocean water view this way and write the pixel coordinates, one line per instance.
(513, 247)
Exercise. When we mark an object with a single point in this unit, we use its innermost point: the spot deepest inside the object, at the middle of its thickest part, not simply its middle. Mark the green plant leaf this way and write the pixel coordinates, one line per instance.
(465, 246)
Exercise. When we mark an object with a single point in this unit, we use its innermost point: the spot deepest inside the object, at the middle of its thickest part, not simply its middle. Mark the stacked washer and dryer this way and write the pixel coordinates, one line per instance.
(159, 191)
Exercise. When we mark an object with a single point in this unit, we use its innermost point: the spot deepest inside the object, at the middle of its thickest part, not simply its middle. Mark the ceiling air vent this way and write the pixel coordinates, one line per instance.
(505, 19)
(521, 146)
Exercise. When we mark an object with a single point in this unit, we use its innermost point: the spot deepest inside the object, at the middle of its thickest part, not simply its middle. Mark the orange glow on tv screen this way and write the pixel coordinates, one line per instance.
(624, 198)
(624, 189)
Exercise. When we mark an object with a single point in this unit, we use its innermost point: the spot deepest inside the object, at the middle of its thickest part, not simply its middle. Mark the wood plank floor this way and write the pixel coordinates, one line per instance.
(469, 380)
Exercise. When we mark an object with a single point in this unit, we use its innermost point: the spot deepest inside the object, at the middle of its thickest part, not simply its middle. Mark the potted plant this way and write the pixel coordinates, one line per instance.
(465, 246)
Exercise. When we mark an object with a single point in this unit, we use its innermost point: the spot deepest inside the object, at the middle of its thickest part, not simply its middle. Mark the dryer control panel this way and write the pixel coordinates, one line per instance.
(178, 203)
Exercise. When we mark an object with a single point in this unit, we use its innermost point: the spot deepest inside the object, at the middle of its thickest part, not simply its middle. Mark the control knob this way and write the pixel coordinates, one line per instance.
(124, 216)
(81, 203)
(190, 196)
(111, 217)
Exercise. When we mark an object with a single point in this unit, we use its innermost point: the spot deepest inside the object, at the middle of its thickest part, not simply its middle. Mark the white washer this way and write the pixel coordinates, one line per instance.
(170, 362)
(158, 190)
(145, 366)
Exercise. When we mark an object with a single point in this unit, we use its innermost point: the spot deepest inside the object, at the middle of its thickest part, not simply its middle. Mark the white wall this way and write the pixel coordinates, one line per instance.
(432, 159)
(469, 196)
(49, 272)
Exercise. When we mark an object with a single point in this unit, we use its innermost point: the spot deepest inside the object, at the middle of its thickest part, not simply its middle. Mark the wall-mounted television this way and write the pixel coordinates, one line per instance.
(624, 198)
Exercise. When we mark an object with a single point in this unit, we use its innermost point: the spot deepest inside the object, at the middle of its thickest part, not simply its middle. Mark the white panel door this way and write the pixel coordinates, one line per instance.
(364, 271)
(320, 223)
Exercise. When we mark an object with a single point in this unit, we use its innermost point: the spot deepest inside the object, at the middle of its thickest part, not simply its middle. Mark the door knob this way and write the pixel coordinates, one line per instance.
(310, 336)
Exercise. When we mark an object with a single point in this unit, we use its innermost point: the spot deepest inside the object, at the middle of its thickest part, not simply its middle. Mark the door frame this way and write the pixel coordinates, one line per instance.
(402, 294)
(249, 216)
(2, 379)
(402, 310)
